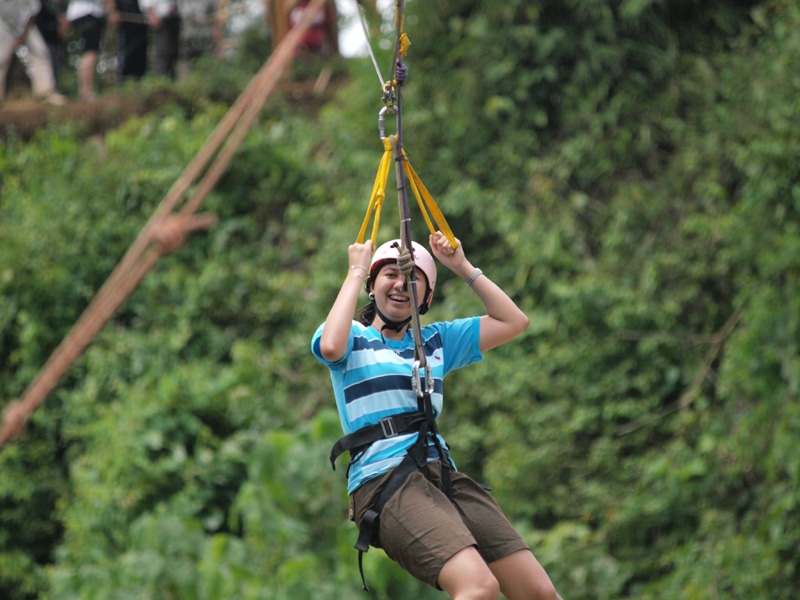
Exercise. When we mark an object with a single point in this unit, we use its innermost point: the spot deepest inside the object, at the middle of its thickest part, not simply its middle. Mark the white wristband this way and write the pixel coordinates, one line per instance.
(473, 277)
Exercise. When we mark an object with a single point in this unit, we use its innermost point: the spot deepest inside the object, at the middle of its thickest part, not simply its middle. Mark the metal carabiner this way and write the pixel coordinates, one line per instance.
(416, 380)
(382, 120)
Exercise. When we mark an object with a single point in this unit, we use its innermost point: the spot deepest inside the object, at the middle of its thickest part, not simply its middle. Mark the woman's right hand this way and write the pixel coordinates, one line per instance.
(336, 334)
(359, 256)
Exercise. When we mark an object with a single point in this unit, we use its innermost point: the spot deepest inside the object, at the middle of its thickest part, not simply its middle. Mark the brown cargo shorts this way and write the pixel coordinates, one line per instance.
(421, 529)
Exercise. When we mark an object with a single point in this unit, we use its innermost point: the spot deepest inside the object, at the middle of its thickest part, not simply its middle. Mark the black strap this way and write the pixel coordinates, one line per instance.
(424, 422)
(426, 406)
(369, 527)
(388, 427)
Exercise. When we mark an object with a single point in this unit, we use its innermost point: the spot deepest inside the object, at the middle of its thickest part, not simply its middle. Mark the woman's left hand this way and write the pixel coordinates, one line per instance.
(452, 258)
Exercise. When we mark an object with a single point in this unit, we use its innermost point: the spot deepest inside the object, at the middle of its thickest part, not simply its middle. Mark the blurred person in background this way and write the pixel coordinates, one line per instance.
(201, 33)
(17, 28)
(130, 23)
(164, 17)
(88, 19)
(317, 39)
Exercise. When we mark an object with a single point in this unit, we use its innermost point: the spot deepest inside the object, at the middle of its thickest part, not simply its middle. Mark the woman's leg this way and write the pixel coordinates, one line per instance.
(521, 577)
(422, 531)
(467, 577)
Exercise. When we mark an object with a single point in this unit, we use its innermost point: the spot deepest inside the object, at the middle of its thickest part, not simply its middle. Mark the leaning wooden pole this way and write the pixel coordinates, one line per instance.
(147, 248)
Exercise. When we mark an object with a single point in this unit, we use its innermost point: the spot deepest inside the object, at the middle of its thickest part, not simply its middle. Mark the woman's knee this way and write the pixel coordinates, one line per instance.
(483, 587)
(467, 577)
(477, 588)
(521, 577)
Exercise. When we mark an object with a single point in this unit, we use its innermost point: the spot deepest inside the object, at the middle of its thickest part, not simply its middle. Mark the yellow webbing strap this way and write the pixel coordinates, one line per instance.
(378, 194)
(424, 198)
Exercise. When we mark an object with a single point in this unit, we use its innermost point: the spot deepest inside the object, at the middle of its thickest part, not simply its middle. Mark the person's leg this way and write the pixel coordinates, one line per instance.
(160, 51)
(467, 577)
(172, 45)
(43, 82)
(521, 577)
(55, 48)
(507, 555)
(137, 50)
(122, 54)
(6, 55)
(86, 70)
(421, 530)
(131, 51)
(91, 31)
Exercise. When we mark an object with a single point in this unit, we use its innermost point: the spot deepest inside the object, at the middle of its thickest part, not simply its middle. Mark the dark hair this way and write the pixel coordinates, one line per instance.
(366, 314)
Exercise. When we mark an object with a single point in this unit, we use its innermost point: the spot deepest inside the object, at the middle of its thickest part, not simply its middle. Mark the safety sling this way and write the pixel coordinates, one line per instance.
(423, 422)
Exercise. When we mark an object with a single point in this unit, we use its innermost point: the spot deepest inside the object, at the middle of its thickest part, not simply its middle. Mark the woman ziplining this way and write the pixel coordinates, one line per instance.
(387, 373)
(460, 542)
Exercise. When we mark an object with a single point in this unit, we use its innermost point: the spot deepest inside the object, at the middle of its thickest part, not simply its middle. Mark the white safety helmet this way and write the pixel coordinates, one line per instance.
(390, 251)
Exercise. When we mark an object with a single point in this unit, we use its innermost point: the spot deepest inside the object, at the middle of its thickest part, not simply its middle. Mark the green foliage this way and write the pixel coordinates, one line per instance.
(626, 170)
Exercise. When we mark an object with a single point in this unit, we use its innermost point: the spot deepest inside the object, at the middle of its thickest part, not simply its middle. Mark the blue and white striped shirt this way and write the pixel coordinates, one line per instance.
(373, 380)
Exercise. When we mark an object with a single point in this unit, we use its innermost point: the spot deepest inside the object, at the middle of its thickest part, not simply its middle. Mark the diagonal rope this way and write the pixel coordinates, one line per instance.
(165, 230)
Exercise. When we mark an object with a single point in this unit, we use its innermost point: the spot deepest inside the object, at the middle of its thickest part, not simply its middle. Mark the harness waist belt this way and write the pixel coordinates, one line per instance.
(388, 427)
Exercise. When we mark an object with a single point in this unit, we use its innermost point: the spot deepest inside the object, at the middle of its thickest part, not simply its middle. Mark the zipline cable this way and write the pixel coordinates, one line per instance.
(362, 18)
(148, 246)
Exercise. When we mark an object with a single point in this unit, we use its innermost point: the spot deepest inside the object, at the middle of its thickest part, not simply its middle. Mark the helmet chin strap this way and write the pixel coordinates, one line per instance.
(387, 322)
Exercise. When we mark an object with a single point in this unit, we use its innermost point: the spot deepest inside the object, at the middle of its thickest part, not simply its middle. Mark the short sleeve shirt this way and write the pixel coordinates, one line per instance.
(84, 8)
(373, 380)
(15, 14)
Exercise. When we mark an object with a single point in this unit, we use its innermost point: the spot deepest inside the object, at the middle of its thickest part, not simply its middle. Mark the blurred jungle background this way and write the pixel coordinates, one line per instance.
(629, 170)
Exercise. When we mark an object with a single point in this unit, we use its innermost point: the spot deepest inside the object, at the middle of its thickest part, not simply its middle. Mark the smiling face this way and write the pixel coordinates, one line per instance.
(390, 297)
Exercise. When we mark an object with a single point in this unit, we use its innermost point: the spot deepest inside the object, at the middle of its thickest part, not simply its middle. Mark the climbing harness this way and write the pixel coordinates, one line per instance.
(422, 421)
